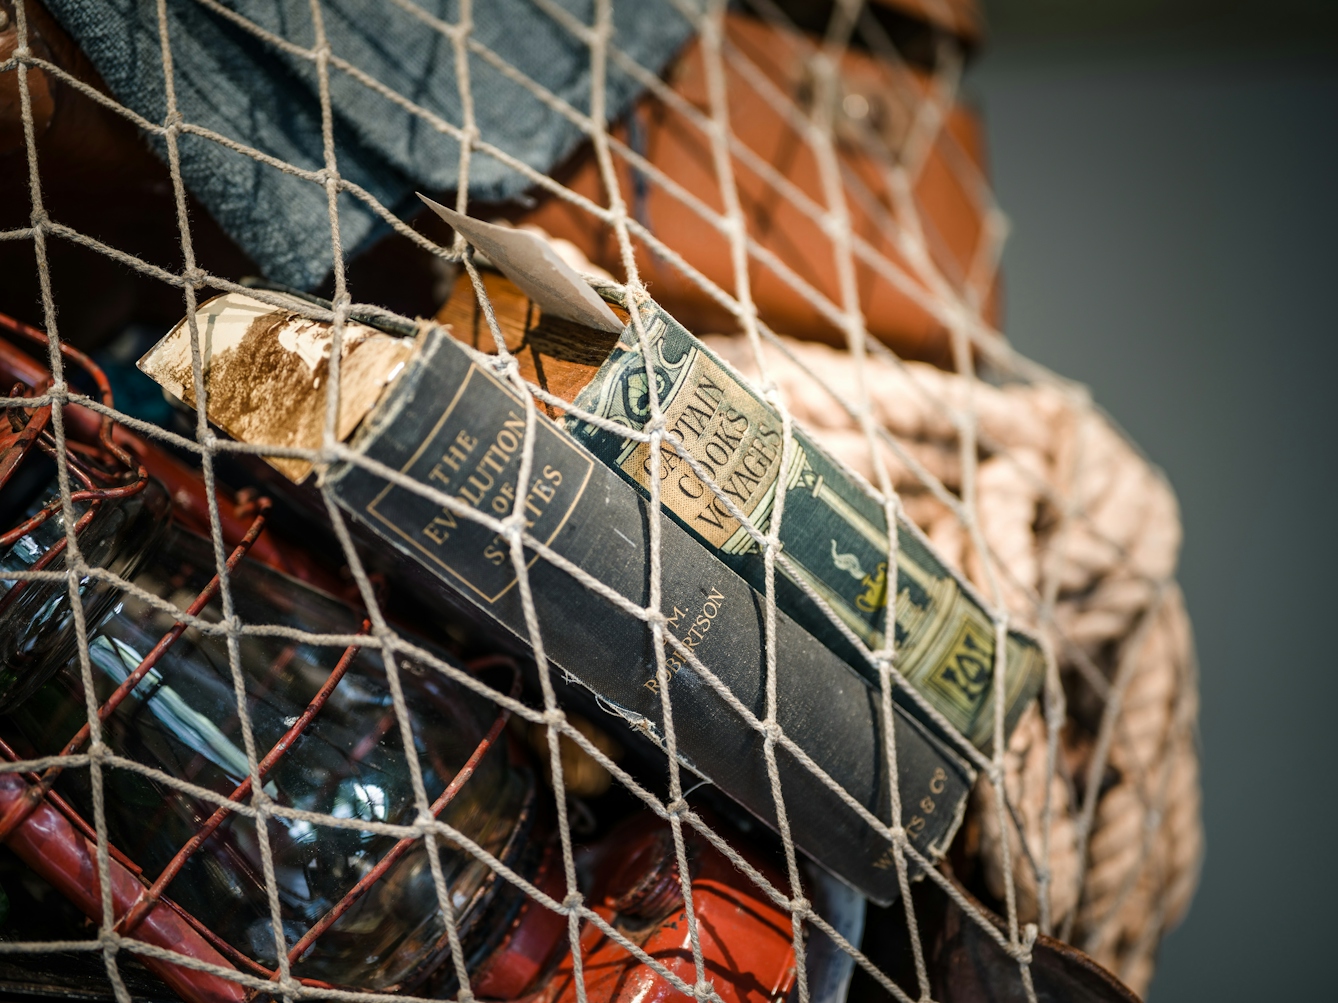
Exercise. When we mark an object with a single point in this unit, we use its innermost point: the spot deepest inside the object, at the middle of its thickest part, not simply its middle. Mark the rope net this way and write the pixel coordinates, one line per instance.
(1084, 825)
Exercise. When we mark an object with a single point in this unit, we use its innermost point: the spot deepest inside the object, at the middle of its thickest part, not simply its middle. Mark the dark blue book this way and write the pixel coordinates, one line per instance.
(450, 425)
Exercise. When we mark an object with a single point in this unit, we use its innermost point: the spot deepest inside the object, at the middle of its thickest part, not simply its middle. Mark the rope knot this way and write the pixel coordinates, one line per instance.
(677, 808)
(506, 366)
(1029, 933)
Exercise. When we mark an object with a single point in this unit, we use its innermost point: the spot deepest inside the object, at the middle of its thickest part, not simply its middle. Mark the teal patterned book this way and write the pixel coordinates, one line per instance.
(832, 531)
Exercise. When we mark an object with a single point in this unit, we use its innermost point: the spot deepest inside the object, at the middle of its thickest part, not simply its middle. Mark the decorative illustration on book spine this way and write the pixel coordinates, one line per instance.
(833, 534)
(875, 596)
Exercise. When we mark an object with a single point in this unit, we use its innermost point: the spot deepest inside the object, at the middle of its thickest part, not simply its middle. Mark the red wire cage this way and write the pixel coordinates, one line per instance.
(520, 949)
(42, 826)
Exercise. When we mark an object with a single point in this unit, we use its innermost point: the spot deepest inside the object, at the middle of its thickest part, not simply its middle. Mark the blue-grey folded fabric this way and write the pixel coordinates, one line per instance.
(242, 87)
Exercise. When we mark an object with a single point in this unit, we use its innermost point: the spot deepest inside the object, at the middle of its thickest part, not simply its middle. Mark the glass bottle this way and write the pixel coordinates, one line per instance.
(36, 635)
(181, 719)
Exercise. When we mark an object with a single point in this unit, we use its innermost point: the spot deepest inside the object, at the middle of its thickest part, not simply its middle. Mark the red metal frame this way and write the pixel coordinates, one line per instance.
(42, 438)
(54, 839)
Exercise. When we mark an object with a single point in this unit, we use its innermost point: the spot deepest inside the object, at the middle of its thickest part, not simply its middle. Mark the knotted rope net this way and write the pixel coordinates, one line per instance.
(1086, 823)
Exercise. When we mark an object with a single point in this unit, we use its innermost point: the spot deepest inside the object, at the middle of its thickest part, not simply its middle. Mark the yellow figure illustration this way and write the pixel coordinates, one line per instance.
(874, 596)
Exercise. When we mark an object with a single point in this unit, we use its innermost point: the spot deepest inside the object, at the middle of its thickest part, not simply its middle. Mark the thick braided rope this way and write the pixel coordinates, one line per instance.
(1119, 866)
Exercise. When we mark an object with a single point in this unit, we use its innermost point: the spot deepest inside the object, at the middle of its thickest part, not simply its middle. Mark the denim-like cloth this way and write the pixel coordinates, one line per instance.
(235, 84)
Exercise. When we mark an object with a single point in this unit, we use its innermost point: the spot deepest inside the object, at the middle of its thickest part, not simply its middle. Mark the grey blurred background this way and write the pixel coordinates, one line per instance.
(1169, 169)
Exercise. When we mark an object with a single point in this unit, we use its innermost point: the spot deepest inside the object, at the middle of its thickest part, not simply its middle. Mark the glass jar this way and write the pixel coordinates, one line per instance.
(181, 722)
(36, 632)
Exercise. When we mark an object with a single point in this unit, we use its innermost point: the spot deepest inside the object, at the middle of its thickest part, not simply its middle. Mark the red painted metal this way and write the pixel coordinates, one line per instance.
(71, 815)
(23, 430)
(88, 366)
(745, 937)
(536, 936)
(52, 847)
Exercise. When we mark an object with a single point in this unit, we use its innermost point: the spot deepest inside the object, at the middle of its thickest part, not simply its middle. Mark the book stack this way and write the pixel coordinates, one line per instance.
(451, 458)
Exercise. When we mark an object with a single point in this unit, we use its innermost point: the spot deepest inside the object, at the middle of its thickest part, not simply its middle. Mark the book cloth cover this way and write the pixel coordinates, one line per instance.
(833, 533)
(451, 426)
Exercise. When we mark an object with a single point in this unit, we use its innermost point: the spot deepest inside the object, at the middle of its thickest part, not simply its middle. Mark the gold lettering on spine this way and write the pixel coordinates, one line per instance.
(694, 629)
(439, 529)
(915, 825)
(542, 491)
(731, 435)
(482, 483)
(455, 454)
(476, 466)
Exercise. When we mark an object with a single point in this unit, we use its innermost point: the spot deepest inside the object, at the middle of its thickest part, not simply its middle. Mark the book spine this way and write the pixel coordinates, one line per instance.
(833, 533)
(449, 424)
